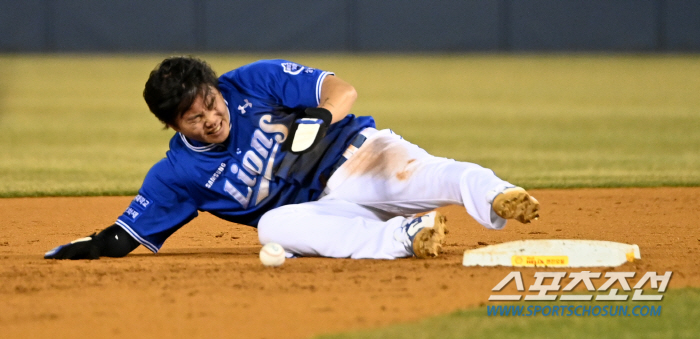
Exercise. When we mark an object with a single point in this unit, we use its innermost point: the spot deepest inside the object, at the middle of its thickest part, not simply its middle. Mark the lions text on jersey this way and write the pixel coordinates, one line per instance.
(247, 175)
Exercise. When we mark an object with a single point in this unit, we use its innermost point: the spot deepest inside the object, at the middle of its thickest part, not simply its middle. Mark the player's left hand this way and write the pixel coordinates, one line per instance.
(309, 130)
(83, 248)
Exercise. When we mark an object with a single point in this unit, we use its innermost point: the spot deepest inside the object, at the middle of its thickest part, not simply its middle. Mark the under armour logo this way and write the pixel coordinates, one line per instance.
(247, 105)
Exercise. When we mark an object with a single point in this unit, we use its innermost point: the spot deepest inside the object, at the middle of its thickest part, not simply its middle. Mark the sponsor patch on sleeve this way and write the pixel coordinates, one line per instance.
(292, 68)
(137, 207)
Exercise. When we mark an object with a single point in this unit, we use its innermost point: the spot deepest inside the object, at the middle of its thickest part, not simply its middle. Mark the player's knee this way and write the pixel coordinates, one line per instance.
(265, 229)
(269, 225)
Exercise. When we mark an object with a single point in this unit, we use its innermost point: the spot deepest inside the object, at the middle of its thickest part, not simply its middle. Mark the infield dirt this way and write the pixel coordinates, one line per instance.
(207, 280)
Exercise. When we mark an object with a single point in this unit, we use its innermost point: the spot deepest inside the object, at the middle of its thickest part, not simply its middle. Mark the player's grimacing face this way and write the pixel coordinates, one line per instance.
(207, 119)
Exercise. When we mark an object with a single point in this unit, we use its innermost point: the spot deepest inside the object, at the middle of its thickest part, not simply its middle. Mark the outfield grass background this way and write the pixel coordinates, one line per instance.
(77, 124)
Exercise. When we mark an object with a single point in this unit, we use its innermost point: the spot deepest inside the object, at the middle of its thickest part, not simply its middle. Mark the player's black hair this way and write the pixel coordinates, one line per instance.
(174, 84)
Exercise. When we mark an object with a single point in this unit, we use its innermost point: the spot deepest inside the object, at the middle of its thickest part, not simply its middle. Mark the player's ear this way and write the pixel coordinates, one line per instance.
(174, 127)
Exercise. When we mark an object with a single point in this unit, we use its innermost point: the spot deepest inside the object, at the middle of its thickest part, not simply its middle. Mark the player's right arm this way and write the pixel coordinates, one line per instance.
(162, 206)
(337, 96)
(317, 97)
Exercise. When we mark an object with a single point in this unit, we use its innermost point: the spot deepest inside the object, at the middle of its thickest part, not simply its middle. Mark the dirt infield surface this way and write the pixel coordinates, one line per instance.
(207, 280)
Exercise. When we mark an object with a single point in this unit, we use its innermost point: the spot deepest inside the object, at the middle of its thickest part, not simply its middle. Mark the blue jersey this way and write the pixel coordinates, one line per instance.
(249, 174)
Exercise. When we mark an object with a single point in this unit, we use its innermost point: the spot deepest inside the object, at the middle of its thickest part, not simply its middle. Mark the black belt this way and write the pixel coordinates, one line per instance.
(356, 143)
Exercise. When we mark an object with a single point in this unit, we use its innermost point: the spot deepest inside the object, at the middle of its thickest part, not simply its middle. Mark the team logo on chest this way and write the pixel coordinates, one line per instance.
(255, 171)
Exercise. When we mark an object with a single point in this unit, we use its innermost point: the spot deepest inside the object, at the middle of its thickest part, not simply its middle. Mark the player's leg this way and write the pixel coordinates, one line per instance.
(394, 175)
(340, 229)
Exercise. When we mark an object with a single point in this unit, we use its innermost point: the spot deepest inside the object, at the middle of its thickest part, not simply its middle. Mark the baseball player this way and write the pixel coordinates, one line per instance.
(273, 145)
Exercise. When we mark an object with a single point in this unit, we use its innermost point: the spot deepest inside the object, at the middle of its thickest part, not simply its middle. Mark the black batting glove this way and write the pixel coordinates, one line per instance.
(307, 131)
(83, 248)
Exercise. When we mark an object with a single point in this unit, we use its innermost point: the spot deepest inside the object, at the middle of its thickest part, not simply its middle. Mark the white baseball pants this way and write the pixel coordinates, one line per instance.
(370, 197)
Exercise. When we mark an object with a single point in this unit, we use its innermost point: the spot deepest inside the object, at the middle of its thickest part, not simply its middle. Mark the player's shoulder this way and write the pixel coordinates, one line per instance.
(162, 172)
(173, 169)
(276, 64)
(245, 76)
(165, 179)
(263, 67)
(176, 154)
(163, 166)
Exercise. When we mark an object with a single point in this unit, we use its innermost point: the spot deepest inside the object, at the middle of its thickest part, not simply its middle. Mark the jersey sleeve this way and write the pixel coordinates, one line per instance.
(283, 82)
(161, 207)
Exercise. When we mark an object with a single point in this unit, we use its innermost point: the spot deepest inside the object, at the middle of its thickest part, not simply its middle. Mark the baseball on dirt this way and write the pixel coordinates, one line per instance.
(272, 254)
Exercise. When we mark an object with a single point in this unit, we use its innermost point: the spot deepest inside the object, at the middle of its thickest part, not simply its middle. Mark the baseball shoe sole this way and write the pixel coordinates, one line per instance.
(516, 203)
(428, 241)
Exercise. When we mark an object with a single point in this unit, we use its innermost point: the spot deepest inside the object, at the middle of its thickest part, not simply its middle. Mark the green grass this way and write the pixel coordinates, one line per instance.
(77, 125)
(678, 319)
